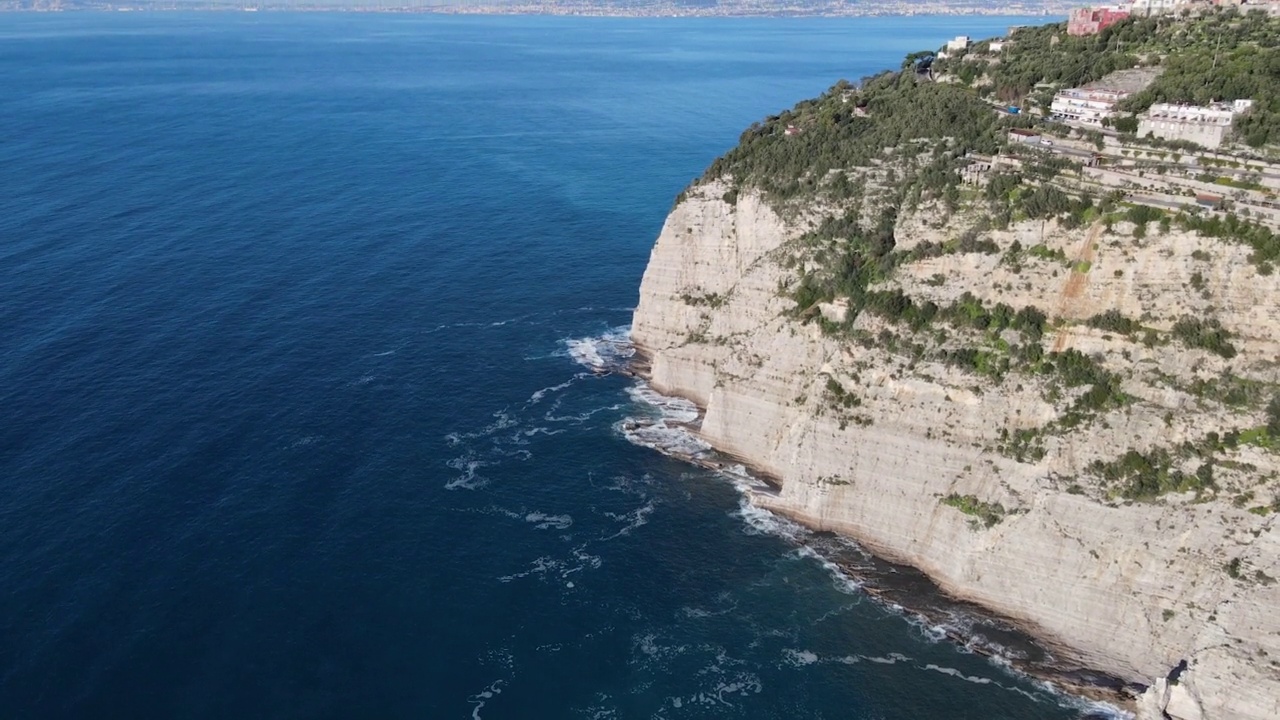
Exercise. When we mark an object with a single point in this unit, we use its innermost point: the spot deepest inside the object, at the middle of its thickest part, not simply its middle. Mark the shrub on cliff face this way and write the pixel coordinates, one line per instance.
(988, 514)
(1147, 476)
(1204, 334)
(1114, 321)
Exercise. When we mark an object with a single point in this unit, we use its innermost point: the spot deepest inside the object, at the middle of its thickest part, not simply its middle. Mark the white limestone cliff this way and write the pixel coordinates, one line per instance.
(1131, 588)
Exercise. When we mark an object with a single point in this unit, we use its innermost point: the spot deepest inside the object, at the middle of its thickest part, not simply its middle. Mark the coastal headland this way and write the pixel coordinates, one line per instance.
(1002, 315)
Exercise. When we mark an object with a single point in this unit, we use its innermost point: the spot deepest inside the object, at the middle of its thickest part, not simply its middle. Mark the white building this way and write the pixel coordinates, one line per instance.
(960, 43)
(1085, 107)
(1207, 126)
(997, 46)
(1155, 7)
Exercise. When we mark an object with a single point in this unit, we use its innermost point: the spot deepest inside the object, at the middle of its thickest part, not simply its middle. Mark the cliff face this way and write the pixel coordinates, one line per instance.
(911, 455)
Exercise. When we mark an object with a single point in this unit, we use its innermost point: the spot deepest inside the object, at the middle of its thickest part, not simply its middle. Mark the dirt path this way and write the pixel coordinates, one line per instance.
(1076, 283)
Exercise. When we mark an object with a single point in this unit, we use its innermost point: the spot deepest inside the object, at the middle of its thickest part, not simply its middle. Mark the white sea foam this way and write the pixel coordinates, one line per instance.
(586, 561)
(602, 353)
(842, 581)
(540, 431)
(484, 696)
(743, 684)
(494, 324)
(540, 566)
(470, 479)
(631, 520)
(759, 521)
(722, 598)
(957, 674)
(1085, 706)
(651, 650)
(1096, 708)
(537, 396)
(502, 420)
(546, 567)
(799, 658)
(580, 417)
(544, 522)
(890, 659)
(665, 424)
(674, 409)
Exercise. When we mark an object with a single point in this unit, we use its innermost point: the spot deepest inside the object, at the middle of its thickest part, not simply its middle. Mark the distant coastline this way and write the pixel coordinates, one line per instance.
(747, 8)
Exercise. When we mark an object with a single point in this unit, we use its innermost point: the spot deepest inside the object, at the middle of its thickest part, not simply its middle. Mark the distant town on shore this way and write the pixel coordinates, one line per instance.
(588, 8)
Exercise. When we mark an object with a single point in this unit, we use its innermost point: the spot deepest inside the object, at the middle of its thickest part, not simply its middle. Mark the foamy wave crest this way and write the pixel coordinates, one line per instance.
(842, 580)
(758, 521)
(674, 409)
(1096, 709)
(665, 424)
(1088, 709)
(602, 353)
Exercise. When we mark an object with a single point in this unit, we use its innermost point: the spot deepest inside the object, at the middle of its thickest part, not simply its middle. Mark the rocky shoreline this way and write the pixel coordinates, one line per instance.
(905, 588)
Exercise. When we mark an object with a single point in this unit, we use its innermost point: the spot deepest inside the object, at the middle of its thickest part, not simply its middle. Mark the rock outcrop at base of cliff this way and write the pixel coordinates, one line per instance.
(1102, 531)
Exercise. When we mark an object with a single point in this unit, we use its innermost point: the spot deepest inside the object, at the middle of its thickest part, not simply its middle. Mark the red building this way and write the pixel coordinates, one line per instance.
(1089, 21)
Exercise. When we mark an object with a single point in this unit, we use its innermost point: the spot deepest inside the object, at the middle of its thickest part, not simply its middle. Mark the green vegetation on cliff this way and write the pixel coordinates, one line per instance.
(846, 129)
(984, 513)
(933, 149)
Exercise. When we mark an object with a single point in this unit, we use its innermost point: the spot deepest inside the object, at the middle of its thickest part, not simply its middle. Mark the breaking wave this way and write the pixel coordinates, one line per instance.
(602, 353)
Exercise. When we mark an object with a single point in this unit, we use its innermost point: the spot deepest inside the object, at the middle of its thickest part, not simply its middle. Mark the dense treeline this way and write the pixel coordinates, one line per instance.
(1047, 55)
(1265, 243)
(847, 129)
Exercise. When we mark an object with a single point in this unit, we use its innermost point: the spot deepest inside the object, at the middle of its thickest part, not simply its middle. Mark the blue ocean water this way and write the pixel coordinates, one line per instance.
(297, 320)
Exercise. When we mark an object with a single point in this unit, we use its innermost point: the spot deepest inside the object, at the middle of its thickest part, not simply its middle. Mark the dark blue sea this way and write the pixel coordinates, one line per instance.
(299, 319)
